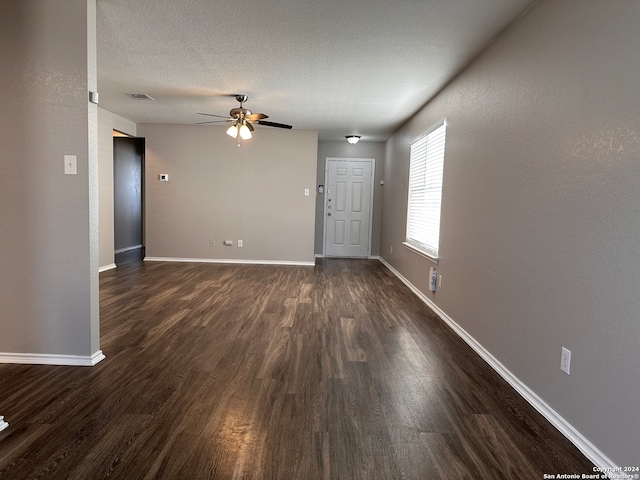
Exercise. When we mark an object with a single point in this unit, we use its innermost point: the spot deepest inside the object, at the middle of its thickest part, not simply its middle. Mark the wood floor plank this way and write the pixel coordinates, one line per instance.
(226, 371)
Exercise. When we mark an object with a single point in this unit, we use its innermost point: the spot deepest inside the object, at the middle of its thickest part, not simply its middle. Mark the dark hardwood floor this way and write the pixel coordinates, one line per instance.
(272, 372)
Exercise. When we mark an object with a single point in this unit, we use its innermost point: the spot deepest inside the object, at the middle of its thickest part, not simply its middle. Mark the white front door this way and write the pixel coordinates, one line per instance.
(348, 207)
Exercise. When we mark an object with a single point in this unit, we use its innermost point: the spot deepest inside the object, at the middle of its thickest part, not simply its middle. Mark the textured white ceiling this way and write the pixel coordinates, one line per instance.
(337, 66)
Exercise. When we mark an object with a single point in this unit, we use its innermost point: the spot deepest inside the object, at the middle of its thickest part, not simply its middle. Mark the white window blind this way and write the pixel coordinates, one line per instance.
(425, 191)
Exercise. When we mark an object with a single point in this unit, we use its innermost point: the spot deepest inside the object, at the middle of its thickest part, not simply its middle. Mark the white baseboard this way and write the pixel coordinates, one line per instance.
(229, 260)
(3, 424)
(580, 441)
(106, 267)
(370, 257)
(52, 359)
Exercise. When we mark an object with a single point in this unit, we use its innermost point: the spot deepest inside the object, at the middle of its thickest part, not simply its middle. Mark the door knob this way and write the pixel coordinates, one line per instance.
(329, 214)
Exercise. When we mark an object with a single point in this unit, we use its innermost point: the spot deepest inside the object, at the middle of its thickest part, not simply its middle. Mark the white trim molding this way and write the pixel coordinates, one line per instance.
(52, 359)
(370, 257)
(574, 436)
(230, 260)
(426, 255)
(106, 267)
(3, 424)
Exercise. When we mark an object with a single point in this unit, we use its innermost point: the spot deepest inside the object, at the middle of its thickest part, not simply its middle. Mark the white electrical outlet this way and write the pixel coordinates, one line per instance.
(565, 361)
(432, 279)
(240, 243)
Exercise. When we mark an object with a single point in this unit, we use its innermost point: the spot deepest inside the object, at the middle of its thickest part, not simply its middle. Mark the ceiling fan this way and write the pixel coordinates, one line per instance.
(242, 120)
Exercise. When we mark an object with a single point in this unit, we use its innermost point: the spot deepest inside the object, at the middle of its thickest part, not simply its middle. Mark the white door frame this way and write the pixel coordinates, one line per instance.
(371, 196)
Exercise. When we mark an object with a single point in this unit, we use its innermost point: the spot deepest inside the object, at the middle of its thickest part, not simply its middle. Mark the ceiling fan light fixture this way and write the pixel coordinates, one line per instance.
(242, 121)
(245, 133)
(232, 131)
(353, 139)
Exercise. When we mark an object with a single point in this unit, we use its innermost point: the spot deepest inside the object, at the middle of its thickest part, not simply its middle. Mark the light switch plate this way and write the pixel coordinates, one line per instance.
(70, 165)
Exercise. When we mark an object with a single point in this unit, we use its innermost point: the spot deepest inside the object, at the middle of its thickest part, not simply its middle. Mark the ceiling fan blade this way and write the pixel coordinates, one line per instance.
(273, 124)
(256, 116)
(212, 121)
(212, 115)
(249, 126)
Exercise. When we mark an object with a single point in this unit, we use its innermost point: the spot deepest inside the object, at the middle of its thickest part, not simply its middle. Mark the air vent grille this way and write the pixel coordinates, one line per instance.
(139, 96)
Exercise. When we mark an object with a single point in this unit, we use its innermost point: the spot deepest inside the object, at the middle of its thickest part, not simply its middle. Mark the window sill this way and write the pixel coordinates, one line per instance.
(421, 253)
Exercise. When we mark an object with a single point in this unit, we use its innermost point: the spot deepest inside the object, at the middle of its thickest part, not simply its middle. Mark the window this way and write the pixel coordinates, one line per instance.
(425, 192)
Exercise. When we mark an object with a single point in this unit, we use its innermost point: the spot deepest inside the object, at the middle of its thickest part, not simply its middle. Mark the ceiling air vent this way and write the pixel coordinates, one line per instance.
(139, 96)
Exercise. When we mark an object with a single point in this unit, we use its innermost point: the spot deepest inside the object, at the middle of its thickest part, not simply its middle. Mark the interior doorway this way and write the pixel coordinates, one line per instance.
(348, 207)
(128, 199)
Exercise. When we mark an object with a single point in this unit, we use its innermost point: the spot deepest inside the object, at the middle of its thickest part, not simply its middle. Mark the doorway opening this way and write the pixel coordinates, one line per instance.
(128, 198)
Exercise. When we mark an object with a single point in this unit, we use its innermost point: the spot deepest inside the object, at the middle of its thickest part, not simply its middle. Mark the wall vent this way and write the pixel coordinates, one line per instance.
(139, 96)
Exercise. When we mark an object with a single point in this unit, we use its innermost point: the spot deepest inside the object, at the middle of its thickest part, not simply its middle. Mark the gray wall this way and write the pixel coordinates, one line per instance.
(346, 150)
(218, 191)
(540, 239)
(49, 256)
